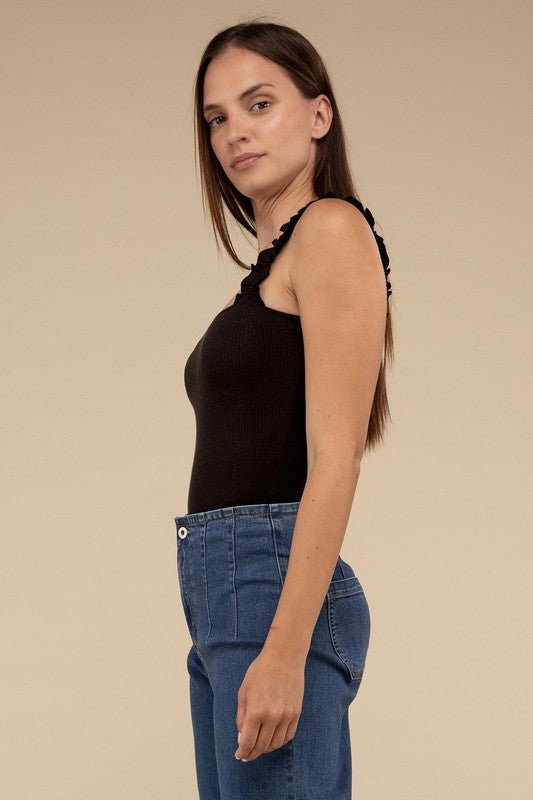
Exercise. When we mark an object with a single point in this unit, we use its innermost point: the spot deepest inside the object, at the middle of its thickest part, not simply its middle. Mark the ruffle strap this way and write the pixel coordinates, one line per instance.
(379, 239)
(261, 268)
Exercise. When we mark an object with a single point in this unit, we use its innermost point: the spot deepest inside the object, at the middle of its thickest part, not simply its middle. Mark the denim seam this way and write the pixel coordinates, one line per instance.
(290, 770)
(353, 673)
(191, 525)
(185, 599)
(190, 599)
(204, 569)
(233, 585)
(274, 532)
(346, 592)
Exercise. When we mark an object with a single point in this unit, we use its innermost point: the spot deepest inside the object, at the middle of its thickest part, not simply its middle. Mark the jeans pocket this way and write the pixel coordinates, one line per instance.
(349, 624)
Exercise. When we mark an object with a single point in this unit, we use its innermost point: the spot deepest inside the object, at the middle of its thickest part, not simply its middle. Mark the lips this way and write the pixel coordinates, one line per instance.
(245, 159)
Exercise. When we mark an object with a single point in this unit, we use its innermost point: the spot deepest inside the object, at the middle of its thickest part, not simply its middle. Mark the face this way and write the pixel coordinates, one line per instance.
(272, 121)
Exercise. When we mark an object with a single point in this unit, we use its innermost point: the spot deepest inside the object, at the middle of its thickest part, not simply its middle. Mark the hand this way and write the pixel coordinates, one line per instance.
(269, 704)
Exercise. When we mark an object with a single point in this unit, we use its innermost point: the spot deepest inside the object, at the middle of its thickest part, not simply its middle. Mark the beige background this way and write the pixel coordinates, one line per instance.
(110, 276)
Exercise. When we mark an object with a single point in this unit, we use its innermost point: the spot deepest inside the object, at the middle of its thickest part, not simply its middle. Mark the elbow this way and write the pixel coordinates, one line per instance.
(346, 459)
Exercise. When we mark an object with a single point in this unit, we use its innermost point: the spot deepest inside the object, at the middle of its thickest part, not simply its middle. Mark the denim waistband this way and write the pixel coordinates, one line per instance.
(253, 509)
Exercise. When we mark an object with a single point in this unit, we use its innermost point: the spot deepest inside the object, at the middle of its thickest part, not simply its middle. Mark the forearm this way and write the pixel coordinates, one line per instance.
(317, 538)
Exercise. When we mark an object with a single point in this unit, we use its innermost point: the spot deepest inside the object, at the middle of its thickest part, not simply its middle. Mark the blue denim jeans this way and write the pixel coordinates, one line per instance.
(232, 563)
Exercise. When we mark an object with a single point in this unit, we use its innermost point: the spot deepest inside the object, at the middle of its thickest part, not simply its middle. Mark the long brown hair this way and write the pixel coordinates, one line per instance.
(300, 60)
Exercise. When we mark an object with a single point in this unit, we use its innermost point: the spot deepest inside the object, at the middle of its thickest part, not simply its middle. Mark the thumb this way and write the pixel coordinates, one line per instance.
(241, 713)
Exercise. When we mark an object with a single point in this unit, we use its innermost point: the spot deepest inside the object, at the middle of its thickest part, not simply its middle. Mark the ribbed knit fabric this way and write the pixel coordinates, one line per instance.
(246, 382)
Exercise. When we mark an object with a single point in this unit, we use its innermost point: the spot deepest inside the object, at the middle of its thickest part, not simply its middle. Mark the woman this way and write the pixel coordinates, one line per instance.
(288, 389)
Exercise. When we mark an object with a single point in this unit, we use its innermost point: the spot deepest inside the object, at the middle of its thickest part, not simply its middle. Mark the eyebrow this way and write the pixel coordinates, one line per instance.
(246, 92)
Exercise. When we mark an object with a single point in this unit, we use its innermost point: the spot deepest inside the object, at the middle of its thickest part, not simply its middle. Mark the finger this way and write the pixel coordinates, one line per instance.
(291, 730)
(283, 734)
(241, 709)
(241, 713)
(279, 737)
(249, 733)
(264, 739)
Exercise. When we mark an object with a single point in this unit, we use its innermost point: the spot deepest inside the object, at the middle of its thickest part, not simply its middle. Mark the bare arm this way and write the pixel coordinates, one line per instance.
(317, 539)
(340, 285)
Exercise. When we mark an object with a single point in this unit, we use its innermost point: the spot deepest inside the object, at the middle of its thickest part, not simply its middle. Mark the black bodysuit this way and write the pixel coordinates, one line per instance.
(246, 382)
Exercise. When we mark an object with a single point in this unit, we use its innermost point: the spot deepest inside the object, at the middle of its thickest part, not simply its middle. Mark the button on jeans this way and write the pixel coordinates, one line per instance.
(231, 564)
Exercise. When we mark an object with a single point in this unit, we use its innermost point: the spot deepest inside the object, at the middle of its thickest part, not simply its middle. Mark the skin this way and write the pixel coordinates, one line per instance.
(337, 278)
(275, 121)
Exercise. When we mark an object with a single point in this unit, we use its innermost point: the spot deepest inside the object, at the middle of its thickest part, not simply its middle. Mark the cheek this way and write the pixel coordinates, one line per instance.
(281, 139)
(287, 132)
(280, 125)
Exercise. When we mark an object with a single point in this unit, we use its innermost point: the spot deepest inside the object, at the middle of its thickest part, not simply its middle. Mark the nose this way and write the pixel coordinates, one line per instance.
(235, 129)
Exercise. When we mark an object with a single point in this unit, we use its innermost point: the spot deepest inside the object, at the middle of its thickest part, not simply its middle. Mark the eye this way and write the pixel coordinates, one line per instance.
(212, 122)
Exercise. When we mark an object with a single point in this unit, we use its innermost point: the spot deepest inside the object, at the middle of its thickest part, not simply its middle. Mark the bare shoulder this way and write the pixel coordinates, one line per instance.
(331, 218)
(333, 233)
